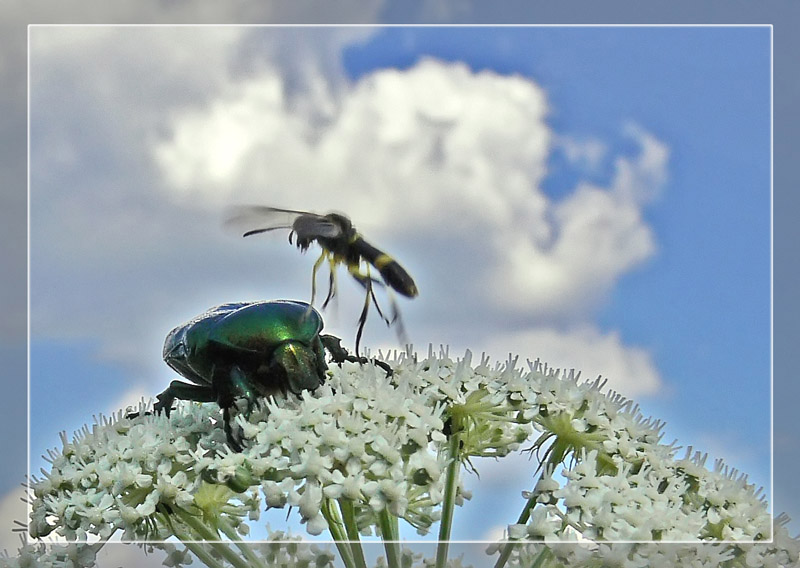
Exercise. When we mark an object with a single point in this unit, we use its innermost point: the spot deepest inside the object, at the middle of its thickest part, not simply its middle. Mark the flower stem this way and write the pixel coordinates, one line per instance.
(524, 515)
(391, 539)
(200, 552)
(212, 537)
(190, 543)
(351, 526)
(336, 526)
(246, 548)
(451, 485)
(544, 555)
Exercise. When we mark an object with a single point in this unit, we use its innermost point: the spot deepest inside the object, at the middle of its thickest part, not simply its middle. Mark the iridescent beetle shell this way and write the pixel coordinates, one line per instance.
(247, 350)
(248, 334)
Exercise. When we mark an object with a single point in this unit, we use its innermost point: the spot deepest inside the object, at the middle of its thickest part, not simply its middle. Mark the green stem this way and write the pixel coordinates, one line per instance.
(190, 542)
(448, 506)
(202, 555)
(246, 548)
(336, 526)
(391, 539)
(212, 537)
(198, 549)
(526, 510)
(351, 526)
(544, 555)
(395, 527)
(523, 518)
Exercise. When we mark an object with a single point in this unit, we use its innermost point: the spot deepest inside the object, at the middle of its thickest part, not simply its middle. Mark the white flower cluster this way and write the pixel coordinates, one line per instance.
(782, 552)
(363, 437)
(374, 440)
(117, 474)
(282, 550)
(41, 555)
(622, 484)
(360, 437)
(365, 449)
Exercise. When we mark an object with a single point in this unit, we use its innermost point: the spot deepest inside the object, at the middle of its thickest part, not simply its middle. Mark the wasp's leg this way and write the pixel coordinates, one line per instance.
(362, 320)
(331, 281)
(386, 320)
(366, 280)
(317, 264)
(339, 354)
(397, 320)
(183, 391)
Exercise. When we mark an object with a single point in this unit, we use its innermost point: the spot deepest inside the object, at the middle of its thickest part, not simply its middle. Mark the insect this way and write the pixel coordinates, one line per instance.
(340, 244)
(249, 350)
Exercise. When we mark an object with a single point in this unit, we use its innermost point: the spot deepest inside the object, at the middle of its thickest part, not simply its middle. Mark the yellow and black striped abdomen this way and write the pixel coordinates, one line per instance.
(393, 274)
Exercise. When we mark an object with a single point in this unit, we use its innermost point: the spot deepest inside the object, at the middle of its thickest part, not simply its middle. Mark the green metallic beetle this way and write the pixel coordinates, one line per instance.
(249, 350)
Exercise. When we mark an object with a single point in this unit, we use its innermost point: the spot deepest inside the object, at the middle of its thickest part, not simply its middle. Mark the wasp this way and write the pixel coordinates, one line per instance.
(341, 243)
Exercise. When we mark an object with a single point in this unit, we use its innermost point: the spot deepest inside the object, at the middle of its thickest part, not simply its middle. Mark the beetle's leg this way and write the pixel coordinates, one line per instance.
(183, 391)
(334, 346)
(226, 421)
(228, 383)
(319, 354)
(239, 385)
(339, 354)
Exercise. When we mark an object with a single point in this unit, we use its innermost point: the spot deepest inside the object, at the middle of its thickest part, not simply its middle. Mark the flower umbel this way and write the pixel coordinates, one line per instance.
(365, 451)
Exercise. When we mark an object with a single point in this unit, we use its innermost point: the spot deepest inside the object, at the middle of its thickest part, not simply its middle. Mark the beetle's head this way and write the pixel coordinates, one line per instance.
(173, 349)
(175, 343)
(176, 355)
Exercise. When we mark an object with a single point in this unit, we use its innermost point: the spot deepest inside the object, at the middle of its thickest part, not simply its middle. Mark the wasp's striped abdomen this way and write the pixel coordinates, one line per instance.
(393, 274)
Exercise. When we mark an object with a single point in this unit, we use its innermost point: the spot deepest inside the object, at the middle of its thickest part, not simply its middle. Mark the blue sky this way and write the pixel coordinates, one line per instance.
(671, 122)
(702, 301)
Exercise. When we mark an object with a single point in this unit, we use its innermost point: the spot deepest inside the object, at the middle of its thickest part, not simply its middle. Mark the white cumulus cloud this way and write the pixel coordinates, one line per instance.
(158, 129)
(442, 150)
(459, 156)
(630, 370)
(586, 152)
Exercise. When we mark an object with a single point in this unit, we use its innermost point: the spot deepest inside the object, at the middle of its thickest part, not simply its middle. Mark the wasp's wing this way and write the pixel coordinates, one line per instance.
(311, 226)
(253, 219)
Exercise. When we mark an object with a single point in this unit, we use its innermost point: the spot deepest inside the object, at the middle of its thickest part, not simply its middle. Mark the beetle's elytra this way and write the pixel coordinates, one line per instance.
(249, 350)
